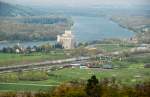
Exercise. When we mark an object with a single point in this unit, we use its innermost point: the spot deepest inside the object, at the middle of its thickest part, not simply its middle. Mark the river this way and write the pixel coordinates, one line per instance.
(87, 28)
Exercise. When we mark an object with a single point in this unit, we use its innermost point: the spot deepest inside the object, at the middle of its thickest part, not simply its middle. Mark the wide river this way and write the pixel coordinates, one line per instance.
(87, 28)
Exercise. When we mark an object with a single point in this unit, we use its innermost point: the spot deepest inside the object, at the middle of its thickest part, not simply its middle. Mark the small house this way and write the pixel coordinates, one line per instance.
(147, 65)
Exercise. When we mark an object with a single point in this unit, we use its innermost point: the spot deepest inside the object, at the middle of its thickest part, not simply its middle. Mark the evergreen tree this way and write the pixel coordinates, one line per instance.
(92, 88)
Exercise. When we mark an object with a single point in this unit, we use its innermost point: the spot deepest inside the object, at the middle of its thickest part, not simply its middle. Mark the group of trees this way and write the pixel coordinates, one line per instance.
(138, 24)
(33, 76)
(33, 28)
(30, 32)
(82, 51)
(24, 76)
(103, 88)
(93, 88)
(42, 48)
(105, 41)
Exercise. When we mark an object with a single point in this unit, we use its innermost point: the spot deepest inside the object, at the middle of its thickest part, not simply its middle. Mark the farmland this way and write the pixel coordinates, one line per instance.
(129, 71)
(113, 47)
(130, 75)
(7, 59)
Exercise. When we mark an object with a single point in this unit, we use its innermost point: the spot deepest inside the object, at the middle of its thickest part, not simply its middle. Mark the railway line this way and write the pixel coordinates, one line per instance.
(41, 65)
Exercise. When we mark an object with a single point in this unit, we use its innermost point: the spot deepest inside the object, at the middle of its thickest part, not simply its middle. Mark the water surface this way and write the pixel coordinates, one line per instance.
(86, 28)
(89, 28)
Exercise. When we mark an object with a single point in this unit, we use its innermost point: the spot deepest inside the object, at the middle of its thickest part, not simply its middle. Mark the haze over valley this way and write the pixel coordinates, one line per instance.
(44, 23)
(74, 48)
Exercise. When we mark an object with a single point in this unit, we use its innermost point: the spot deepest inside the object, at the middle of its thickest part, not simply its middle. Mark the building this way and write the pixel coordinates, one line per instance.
(147, 65)
(133, 40)
(66, 40)
(18, 48)
(107, 66)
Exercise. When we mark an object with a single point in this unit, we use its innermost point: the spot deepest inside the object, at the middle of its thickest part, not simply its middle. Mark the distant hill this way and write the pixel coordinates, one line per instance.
(22, 23)
(7, 9)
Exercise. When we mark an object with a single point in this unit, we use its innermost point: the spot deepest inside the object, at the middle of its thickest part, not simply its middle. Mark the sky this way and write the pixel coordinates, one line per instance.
(79, 2)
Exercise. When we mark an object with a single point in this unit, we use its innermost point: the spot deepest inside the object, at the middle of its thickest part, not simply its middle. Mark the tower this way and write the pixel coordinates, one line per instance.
(66, 40)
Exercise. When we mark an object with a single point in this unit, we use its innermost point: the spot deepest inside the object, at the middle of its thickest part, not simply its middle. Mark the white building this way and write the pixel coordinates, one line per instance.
(66, 40)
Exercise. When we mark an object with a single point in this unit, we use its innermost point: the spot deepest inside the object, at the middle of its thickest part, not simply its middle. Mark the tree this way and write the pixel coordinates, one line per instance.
(58, 45)
(92, 88)
(69, 90)
(28, 49)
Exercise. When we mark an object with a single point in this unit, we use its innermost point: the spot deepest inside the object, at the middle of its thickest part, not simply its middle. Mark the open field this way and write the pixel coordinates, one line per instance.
(7, 59)
(139, 58)
(124, 75)
(129, 75)
(113, 47)
(17, 59)
(129, 72)
(22, 87)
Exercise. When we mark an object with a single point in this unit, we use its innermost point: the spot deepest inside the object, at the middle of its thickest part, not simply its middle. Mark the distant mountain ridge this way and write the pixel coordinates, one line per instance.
(7, 9)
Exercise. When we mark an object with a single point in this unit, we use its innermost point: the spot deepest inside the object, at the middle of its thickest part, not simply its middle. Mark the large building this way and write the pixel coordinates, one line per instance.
(66, 40)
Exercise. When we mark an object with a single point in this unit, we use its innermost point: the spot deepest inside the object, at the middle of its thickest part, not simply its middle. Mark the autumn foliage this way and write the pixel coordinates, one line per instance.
(92, 88)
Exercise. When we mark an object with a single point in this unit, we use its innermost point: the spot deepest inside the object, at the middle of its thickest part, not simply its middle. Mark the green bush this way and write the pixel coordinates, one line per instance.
(8, 77)
(24, 76)
(33, 76)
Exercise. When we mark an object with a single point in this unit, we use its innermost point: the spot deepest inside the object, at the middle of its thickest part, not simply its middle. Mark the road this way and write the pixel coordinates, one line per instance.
(41, 64)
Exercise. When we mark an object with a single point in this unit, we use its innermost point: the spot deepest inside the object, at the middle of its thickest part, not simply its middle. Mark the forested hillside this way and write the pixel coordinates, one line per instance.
(26, 24)
(33, 27)
(15, 10)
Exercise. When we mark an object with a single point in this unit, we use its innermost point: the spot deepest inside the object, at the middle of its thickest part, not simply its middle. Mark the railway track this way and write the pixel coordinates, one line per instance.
(41, 64)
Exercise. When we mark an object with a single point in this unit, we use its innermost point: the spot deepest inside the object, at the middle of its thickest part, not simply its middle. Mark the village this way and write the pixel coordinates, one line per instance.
(66, 60)
(68, 48)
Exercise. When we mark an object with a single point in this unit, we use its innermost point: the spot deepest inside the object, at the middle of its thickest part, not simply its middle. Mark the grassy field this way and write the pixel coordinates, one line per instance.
(129, 75)
(18, 87)
(112, 47)
(132, 73)
(123, 75)
(7, 59)
(17, 59)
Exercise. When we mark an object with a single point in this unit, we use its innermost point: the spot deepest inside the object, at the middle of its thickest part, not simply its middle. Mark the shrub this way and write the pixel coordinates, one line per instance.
(8, 77)
(33, 76)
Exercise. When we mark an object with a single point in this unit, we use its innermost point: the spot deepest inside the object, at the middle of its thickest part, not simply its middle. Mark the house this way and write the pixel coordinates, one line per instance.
(147, 65)
(133, 40)
(17, 50)
(83, 67)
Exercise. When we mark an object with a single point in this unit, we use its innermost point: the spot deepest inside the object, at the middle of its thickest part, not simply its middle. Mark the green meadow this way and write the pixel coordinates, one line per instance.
(131, 70)
(127, 76)
(113, 47)
(8, 59)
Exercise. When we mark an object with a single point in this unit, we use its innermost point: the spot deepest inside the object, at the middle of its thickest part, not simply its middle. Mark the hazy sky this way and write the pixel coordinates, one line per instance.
(79, 2)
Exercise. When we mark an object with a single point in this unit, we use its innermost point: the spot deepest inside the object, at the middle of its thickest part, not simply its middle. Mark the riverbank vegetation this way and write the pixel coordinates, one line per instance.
(137, 23)
(33, 28)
